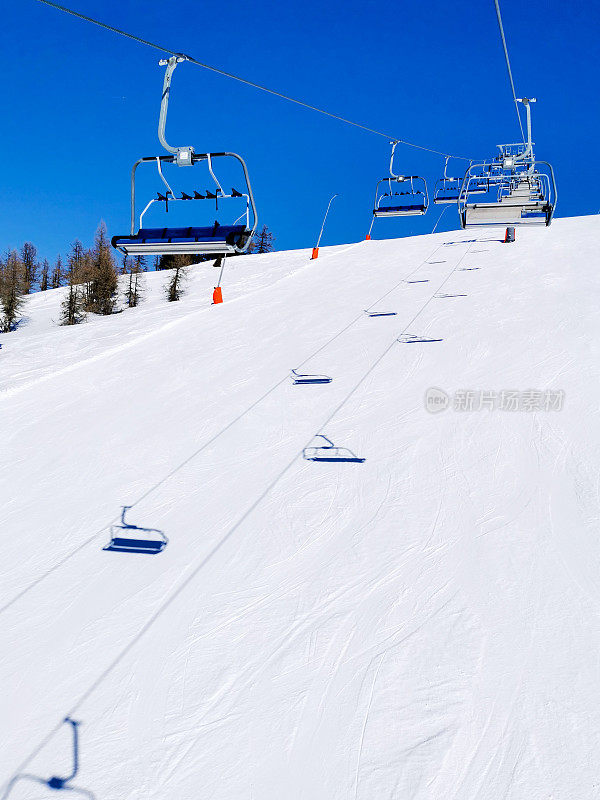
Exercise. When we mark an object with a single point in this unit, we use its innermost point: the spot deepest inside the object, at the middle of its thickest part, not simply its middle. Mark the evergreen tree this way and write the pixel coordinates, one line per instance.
(45, 276)
(12, 288)
(30, 266)
(85, 275)
(75, 263)
(103, 281)
(135, 289)
(126, 264)
(57, 273)
(179, 260)
(72, 311)
(139, 262)
(263, 241)
(174, 286)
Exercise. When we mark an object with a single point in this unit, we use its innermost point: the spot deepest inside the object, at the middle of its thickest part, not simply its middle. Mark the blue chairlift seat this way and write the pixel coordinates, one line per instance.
(446, 196)
(399, 211)
(217, 239)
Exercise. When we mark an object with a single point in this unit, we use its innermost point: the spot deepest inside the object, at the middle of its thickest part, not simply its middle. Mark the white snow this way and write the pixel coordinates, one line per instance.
(423, 625)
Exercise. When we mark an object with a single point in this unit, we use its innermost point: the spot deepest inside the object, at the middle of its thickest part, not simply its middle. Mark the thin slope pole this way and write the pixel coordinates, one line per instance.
(315, 252)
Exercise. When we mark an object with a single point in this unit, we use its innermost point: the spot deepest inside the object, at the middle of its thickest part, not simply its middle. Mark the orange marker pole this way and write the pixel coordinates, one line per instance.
(217, 293)
(315, 251)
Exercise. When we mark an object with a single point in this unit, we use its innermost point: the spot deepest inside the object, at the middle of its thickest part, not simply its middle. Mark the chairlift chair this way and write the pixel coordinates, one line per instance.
(213, 238)
(127, 538)
(527, 202)
(446, 189)
(406, 195)
(520, 189)
(329, 452)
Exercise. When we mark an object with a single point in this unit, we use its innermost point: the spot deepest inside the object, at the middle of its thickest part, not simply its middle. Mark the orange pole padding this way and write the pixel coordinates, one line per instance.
(315, 253)
(368, 237)
(217, 295)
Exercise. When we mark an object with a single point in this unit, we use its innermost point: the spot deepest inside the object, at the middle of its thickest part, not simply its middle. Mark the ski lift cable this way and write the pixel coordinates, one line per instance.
(510, 75)
(200, 449)
(245, 81)
(208, 557)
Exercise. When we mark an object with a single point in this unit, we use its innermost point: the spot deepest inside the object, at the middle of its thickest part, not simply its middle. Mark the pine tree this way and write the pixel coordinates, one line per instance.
(263, 241)
(135, 288)
(44, 279)
(85, 276)
(75, 263)
(178, 260)
(72, 311)
(12, 288)
(57, 273)
(103, 280)
(174, 286)
(30, 266)
(139, 262)
(126, 265)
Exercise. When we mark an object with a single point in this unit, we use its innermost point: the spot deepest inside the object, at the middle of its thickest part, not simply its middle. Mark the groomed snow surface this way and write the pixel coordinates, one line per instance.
(424, 625)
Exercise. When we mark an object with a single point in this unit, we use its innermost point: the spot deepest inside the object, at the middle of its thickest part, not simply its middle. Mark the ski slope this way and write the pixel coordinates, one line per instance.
(422, 625)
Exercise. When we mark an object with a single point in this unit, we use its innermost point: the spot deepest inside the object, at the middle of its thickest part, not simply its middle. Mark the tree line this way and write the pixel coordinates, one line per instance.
(93, 278)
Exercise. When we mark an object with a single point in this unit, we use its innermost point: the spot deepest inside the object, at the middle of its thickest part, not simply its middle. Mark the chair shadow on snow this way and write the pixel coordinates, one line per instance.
(299, 378)
(56, 782)
(411, 338)
(328, 451)
(127, 538)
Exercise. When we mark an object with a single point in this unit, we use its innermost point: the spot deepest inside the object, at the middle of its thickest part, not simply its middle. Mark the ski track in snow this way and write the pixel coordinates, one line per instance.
(421, 625)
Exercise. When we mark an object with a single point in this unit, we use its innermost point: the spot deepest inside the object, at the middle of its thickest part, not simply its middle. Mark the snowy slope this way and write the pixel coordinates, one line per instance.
(421, 625)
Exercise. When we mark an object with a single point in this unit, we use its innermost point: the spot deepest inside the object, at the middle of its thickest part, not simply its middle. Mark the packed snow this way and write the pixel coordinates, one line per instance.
(424, 624)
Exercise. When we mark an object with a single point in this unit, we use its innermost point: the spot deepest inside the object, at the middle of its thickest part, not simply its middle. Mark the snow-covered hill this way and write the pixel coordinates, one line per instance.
(423, 625)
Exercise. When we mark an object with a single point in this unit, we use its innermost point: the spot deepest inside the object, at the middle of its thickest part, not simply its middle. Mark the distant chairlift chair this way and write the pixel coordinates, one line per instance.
(446, 189)
(406, 195)
(126, 538)
(213, 239)
(519, 192)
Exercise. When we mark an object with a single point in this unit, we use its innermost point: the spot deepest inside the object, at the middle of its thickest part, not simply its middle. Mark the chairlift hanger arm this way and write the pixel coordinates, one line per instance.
(392, 173)
(529, 149)
(182, 154)
(524, 152)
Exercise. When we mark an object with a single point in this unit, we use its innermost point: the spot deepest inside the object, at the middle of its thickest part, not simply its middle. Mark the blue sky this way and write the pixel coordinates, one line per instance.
(81, 105)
